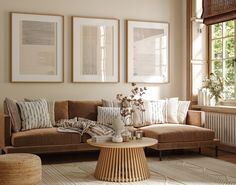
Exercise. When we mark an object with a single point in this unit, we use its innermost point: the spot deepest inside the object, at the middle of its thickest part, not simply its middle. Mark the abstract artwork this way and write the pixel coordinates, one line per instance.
(37, 48)
(147, 52)
(95, 50)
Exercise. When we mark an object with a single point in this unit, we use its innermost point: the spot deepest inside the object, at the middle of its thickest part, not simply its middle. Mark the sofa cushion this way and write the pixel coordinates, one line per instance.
(44, 136)
(84, 109)
(11, 108)
(61, 110)
(156, 111)
(51, 106)
(172, 110)
(166, 133)
(110, 103)
(182, 111)
(106, 115)
(34, 114)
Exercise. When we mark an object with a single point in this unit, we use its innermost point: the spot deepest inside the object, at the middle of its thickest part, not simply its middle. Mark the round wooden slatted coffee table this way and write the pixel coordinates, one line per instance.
(122, 162)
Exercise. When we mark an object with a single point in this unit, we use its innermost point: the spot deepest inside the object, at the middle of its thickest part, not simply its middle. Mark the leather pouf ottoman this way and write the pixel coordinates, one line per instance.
(20, 169)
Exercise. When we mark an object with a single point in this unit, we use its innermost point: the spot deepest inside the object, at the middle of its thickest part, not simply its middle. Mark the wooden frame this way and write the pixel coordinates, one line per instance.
(147, 51)
(191, 61)
(95, 49)
(37, 47)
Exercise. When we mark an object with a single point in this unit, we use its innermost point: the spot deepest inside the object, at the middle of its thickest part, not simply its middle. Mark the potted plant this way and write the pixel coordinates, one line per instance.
(215, 84)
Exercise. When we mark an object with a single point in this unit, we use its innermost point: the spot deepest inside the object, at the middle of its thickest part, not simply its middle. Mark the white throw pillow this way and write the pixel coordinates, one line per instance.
(106, 115)
(34, 114)
(182, 111)
(172, 105)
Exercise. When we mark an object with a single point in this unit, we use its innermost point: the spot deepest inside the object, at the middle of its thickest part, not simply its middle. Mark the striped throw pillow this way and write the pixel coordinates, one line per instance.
(106, 115)
(51, 107)
(34, 114)
(157, 111)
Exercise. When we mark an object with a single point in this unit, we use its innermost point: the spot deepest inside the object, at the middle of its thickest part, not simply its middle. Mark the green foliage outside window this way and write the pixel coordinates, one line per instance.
(223, 54)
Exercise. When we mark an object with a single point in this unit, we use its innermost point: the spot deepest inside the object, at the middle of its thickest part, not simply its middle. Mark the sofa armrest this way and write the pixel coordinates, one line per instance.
(5, 130)
(196, 118)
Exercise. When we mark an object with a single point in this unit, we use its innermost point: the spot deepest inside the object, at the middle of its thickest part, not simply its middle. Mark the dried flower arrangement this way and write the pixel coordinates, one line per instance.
(131, 102)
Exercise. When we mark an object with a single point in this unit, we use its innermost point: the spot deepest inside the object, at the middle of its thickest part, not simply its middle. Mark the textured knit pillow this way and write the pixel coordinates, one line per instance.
(107, 114)
(34, 114)
(11, 109)
(182, 111)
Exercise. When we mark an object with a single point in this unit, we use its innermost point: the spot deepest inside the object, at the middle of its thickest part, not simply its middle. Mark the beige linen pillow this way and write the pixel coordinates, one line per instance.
(11, 108)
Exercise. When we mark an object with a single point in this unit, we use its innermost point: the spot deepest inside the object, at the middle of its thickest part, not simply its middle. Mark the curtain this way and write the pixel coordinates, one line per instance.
(215, 11)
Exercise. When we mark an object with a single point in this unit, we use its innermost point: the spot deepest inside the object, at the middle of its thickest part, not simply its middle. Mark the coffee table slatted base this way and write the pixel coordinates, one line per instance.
(122, 165)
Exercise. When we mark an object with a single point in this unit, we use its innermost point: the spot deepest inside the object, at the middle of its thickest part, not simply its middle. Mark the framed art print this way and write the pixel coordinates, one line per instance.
(36, 47)
(147, 52)
(95, 50)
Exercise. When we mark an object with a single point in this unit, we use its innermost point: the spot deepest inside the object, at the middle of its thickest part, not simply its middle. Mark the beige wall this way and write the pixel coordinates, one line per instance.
(172, 11)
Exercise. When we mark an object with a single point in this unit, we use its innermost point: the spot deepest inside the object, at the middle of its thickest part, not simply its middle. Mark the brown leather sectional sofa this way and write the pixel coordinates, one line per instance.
(48, 140)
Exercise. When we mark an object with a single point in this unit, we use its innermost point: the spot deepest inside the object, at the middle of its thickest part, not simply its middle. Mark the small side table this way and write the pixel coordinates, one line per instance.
(122, 162)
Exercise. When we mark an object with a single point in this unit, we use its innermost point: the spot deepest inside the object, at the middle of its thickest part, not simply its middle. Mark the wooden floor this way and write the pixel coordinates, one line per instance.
(225, 156)
(93, 155)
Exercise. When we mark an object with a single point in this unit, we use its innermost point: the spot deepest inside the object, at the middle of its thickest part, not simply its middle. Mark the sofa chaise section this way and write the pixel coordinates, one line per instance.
(182, 136)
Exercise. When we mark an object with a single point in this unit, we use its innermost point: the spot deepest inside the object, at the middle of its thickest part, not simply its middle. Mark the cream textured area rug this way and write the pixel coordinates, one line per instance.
(193, 170)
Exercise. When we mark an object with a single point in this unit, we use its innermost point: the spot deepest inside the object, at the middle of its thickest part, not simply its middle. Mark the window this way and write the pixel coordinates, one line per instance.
(211, 49)
(222, 55)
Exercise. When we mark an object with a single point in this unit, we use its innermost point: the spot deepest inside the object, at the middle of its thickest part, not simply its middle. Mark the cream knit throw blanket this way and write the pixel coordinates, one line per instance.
(82, 125)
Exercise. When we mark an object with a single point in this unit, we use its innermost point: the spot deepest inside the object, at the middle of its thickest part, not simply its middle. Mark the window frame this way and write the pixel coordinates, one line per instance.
(194, 14)
(223, 59)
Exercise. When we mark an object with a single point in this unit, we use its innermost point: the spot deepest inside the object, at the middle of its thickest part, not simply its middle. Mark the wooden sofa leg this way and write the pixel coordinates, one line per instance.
(199, 150)
(160, 155)
(216, 148)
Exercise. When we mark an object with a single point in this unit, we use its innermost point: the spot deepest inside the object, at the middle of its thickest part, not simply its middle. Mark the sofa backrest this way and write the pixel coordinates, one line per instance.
(61, 110)
(70, 109)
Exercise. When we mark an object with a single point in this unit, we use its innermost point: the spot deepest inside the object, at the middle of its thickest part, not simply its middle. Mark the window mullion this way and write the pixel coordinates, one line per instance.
(223, 49)
(234, 59)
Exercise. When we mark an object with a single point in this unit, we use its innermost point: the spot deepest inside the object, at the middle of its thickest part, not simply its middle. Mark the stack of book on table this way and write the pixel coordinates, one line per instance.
(101, 138)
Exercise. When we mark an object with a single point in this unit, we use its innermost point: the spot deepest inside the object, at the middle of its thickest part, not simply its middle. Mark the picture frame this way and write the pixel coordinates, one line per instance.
(37, 47)
(95, 49)
(147, 46)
